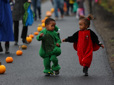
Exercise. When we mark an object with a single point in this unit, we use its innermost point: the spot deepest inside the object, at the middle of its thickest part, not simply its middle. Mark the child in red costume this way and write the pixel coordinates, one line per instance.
(85, 42)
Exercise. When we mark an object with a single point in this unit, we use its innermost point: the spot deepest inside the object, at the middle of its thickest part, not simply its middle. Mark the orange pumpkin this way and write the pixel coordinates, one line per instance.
(43, 21)
(52, 10)
(36, 33)
(39, 28)
(2, 69)
(29, 39)
(9, 59)
(24, 47)
(43, 24)
(46, 18)
(19, 52)
(31, 35)
(48, 14)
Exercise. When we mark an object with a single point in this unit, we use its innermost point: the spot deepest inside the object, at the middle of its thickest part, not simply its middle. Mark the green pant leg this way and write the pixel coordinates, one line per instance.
(47, 65)
(55, 66)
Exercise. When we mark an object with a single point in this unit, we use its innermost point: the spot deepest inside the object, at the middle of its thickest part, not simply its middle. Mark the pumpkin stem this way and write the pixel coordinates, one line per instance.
(0, 63)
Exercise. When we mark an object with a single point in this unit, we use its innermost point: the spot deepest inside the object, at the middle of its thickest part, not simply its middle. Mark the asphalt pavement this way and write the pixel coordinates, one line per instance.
(28, 68)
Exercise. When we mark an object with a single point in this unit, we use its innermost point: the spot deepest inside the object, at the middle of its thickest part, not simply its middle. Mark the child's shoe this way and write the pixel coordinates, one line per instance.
(85, 70)
(86, 74)
(47, 74)
(57, 72)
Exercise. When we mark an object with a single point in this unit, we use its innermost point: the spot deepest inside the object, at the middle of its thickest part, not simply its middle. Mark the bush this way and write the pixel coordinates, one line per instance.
(108, 5)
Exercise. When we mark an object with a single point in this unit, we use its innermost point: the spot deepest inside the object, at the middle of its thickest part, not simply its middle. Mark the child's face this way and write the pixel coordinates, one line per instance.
(82, 25)
(51, 26)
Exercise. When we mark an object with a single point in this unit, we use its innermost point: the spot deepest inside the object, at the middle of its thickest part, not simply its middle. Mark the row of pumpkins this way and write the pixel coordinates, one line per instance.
(28, 39)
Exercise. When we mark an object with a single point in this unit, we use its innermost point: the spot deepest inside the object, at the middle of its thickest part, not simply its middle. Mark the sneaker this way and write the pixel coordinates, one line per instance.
(47, 74)
(57, 72)
(77, 17)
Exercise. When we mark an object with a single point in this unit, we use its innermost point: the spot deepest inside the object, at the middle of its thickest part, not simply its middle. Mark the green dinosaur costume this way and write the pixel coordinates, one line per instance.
(49, 51)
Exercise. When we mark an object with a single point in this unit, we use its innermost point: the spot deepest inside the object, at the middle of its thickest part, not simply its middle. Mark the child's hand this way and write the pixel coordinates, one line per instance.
(63, 40)
(41, 34)
(57, 45)
(102, 46)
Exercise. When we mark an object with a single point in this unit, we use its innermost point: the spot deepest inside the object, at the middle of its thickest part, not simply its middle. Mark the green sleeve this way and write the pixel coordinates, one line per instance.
(58, 39)
(56, 28)
(40, 38)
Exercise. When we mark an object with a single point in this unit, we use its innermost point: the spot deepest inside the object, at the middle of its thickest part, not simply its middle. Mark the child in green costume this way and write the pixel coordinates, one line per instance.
(50, 47)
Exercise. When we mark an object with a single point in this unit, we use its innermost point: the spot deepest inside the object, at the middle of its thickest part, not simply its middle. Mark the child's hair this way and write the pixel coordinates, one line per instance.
(48, 21)
(86, 19)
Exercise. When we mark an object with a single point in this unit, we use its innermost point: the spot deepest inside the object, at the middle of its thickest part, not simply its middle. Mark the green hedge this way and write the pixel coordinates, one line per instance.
(108, 5)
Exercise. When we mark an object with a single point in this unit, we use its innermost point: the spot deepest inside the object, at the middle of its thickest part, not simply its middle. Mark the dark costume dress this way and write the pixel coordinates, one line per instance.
(6, 22)
(85, 42)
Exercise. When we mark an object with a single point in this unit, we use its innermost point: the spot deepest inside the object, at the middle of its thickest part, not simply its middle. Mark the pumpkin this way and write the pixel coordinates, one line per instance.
(2, 69)
(48, 14)
(46, 18)
(43, 24)
(19, 52)
(9, 59)
(43, 21)
(39, 28)
(29, 39)
(24, 47)
(31, 35)
(52, 10)
(36, 33)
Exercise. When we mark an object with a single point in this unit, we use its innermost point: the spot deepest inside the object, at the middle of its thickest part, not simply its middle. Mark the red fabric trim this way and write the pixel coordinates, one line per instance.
(88, 19)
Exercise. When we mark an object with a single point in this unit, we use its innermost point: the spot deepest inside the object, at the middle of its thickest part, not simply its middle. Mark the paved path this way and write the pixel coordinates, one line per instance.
(27, 69)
